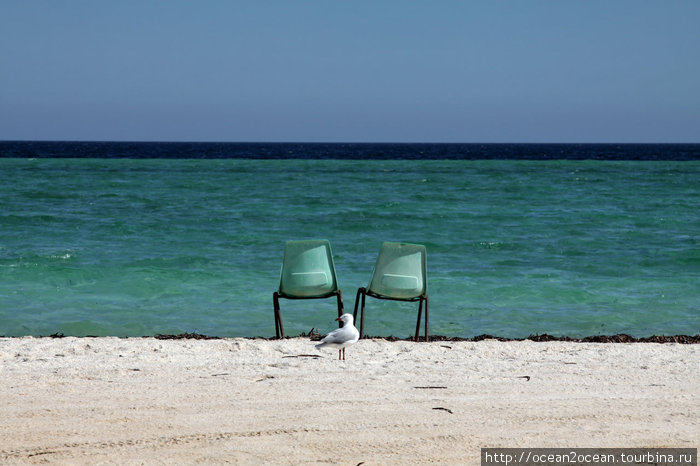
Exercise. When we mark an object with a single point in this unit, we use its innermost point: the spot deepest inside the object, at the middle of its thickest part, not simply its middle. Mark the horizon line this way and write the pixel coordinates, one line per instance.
(155, 141)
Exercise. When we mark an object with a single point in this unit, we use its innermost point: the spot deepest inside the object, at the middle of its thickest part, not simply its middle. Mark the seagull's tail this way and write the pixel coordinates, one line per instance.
(320, 345)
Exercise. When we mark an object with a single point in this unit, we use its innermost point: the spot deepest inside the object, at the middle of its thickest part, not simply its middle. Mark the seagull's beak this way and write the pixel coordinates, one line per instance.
(338, 319)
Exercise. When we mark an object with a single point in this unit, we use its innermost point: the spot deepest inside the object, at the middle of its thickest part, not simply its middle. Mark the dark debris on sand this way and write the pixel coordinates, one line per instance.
(186, 336)
(619, 338)
(314, 335)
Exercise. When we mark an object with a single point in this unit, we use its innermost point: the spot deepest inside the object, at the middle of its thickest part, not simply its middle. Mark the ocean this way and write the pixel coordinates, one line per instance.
(135, 239)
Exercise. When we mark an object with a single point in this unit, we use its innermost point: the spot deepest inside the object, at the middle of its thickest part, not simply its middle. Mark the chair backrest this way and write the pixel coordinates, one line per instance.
(400, 271)
(307, 269)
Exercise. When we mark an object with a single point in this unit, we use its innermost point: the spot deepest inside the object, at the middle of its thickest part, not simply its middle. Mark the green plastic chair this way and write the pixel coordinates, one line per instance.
(399, 275)
(307, 273)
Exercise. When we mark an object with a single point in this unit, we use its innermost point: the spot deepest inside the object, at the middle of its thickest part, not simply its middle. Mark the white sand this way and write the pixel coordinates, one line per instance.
(145, 401)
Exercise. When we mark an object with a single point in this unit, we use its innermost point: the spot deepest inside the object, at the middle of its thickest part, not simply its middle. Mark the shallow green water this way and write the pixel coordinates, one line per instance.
(138, 247)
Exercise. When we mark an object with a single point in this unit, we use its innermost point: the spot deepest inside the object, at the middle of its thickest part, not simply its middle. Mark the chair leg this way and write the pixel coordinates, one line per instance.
(360, 295)
(357, 302)
(362, 313)
(426, 319)
(279, 328)
(341, 307)
(420, 313)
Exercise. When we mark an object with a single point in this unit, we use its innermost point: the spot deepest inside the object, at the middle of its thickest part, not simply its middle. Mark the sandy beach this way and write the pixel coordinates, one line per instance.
(242, 401)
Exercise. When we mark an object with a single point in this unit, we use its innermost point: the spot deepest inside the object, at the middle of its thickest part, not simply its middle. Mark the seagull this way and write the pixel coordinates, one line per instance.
(342, 337)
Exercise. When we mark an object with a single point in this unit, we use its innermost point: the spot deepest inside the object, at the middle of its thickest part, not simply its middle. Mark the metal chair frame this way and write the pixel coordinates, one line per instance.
(279, 328)
(364, 292)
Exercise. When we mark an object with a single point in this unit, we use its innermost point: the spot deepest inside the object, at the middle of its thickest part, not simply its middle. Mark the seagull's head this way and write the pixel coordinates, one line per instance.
(345, 319)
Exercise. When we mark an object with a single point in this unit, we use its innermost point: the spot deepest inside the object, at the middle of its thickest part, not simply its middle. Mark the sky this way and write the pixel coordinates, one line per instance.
(351, 71)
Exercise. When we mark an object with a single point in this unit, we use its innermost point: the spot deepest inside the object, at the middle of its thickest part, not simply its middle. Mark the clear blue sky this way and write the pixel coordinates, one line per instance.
(329, 70)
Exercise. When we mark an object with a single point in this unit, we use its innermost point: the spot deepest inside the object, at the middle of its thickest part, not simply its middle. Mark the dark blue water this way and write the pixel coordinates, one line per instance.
(349, 151)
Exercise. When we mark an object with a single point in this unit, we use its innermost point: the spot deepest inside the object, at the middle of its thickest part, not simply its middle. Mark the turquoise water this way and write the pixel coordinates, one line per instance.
(137, 247)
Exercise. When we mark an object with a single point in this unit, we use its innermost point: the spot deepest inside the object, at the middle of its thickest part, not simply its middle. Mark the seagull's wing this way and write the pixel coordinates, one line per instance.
(336, 337)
